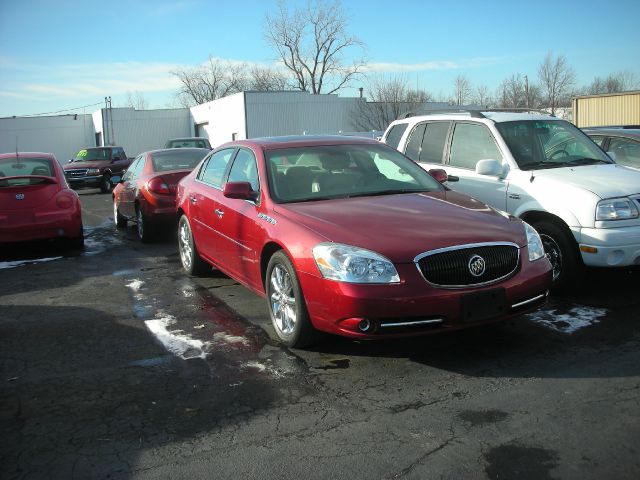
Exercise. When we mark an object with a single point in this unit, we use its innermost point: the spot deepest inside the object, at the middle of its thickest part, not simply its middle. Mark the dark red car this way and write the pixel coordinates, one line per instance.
(146, 194)
(348, 236)
(36, 202)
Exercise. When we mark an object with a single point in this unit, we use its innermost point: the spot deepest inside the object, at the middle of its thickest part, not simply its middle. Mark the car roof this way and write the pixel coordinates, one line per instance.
(614, 132)
(183, 139)
(28, 155)
(292, 141)
(496, 117)
(174, 150)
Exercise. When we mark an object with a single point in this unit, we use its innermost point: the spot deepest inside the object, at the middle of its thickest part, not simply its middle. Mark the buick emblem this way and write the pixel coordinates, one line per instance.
(19, 196)
(476, 265)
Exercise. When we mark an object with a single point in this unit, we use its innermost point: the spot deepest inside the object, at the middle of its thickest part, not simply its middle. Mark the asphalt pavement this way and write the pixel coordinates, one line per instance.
(116, 365)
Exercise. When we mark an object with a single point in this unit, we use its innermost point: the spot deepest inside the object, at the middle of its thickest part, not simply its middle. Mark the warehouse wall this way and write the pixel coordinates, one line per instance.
(607, 109)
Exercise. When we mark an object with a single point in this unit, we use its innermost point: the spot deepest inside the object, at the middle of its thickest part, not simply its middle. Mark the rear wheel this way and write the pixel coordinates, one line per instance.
(119, 220)
(287, 307)
(145, 228)
(105, 183)
(562, 252)
(77, 243)
(191, 261)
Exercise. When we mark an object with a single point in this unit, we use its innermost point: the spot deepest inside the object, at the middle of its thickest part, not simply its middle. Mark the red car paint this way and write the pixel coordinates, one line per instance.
(239, 236)
(36, 202)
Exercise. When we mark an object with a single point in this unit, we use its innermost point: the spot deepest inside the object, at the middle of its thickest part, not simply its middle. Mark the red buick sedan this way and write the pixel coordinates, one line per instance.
(146, 194)
(36, 202)
(348, 236)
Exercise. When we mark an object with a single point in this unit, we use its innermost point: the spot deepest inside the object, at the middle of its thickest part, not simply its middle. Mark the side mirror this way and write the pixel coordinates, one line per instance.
(441, 175)
(115, 179)
(239, 190)
(612, 156)
(490, 167)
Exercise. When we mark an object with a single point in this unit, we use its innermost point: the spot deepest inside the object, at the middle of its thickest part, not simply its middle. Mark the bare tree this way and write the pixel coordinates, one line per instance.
(311, 42)
(267, 79)
(614, 83)
(462, 89)
(136, 100)
(482, 96)
(557, 79)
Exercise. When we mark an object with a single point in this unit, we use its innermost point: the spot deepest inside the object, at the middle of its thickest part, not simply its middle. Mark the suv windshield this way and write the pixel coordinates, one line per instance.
(549, 144)
(89, 154)
(339, 171)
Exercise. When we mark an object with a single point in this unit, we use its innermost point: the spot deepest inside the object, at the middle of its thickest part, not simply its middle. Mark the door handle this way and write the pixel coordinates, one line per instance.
(219, 212)
(193, 199)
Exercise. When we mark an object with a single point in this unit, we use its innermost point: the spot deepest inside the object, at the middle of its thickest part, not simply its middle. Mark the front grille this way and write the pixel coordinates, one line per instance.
(76, 173)
(450, 267)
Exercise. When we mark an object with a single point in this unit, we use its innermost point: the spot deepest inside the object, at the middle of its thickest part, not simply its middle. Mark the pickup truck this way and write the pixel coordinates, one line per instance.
(541, 169)
(93, 167)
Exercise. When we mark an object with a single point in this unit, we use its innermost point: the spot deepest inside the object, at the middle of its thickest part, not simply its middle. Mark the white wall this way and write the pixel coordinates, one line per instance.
(224, 117)
(61, 135)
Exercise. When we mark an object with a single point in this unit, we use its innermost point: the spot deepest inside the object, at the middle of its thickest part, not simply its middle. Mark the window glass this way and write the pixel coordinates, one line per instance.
(130, 174)
(24, 167)
(213, 171)
(598, 140)
(395, 134)
(627, 151)
(433, 142)
(177, 159)
(244, 169)
(415, 141)
(471, 143)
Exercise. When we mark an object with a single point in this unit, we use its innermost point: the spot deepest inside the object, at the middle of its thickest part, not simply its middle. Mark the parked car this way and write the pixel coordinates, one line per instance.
(541, 169)
(146, 194)
(93, 167)
(191, 142)
(35, 201)
(622, 144)
(346, 235)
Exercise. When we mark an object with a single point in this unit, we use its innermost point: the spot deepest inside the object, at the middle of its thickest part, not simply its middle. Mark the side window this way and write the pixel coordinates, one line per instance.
(598, 140)
(130, 173)
(244, 169)
(395, 134)
(415, 141)
(627, 151)
(472, 142)
(215, 167)
(434, 141)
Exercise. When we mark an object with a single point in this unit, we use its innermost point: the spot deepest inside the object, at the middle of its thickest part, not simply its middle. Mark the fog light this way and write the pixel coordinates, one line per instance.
(364, 325)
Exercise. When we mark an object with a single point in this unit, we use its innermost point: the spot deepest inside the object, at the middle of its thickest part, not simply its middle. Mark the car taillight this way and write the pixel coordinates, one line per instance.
(64, 201)
(159, 186)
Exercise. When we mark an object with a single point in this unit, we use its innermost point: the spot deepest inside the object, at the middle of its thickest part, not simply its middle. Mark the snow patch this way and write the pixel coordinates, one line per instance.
(574, 319)
(176, 341)
(19, 263)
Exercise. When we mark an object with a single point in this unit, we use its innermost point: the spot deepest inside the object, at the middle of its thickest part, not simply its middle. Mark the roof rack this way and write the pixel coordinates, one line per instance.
(472, 113)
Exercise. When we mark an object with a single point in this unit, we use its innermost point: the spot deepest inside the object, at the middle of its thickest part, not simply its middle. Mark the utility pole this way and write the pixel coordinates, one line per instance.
(526, 90)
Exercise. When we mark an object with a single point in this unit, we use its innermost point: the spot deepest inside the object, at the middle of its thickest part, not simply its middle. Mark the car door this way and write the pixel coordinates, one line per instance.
(238, 228)
(470, 143)
(127, 198)
(204, 201)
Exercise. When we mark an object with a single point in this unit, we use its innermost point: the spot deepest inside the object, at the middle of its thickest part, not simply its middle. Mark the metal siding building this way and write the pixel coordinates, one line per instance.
(221, 120)
(607, 109)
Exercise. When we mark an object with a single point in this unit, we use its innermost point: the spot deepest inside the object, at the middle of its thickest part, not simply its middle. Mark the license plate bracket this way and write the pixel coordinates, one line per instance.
(476, 307)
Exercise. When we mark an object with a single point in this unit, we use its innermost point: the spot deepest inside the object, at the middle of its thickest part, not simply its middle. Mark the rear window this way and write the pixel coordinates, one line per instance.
(189, 143)
(177, 160)
(23, 169)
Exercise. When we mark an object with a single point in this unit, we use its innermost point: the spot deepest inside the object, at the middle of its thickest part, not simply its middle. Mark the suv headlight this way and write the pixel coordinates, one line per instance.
(353, 265)
(616, 209)
(534, 244)
(93, 171)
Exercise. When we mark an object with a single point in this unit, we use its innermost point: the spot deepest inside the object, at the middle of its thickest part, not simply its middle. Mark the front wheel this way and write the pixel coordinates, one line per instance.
(191, 261)
(120, 221)
(287, 307)
(562, 252)
(105, 183)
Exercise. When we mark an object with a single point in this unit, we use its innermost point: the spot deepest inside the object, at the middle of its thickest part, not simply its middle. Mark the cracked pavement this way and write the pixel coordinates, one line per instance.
(116, 365)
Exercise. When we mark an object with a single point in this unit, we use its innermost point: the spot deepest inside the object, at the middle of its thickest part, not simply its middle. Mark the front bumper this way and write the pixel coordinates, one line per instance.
(84, 182)
(413, 307)
(615, 247)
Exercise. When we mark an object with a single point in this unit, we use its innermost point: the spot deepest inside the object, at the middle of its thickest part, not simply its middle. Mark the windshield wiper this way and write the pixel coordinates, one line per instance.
(386, 192)
(587, 161)
(544, 164)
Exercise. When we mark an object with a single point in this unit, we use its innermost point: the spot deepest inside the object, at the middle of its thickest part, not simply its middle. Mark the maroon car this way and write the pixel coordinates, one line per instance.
(348, 236)
(146, 194)
(35, 201)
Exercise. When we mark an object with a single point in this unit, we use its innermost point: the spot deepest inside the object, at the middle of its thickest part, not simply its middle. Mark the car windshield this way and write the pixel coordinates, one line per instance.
(92, 154)
(22, 170)
(538, 144)
(340, 171)
(177, 160)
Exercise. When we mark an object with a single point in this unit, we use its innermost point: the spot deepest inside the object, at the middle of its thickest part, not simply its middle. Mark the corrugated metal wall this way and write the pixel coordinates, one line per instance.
(608, 109)
(62, 135)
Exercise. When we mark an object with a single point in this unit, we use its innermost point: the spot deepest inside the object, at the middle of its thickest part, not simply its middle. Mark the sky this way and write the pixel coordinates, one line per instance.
(67, 56)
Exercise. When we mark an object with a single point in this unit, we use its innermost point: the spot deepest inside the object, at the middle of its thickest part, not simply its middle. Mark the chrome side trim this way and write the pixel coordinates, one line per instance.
(409, 324)
(531, 300)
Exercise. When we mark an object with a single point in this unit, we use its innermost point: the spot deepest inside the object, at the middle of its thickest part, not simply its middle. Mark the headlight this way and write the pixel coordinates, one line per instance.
(93, 171)
(616, 209)
(534, 244)
(353, 265)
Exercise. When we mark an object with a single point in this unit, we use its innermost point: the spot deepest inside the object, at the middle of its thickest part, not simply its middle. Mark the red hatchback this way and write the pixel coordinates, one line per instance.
(146, 194)
(348, 236)
(35, 201)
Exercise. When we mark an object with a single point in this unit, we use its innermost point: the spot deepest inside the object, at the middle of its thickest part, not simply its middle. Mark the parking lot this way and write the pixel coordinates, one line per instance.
(117, 365)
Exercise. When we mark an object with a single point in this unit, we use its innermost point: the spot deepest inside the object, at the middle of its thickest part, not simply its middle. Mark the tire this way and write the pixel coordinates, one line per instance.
(105, 184)
(561, 250)
(77, 243)
(287, 307)
(191, 261)
(119, 220)
(144, 227)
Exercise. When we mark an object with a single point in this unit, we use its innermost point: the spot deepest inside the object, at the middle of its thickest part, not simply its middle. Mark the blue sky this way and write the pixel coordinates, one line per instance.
(67, 54)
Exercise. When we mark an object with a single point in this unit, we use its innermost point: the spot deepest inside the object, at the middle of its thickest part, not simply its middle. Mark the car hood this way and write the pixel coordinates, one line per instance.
(605, 181)
(90, 164)
(403, 226)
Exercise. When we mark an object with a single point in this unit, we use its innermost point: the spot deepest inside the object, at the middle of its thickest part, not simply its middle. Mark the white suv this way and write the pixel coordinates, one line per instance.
(541, 169)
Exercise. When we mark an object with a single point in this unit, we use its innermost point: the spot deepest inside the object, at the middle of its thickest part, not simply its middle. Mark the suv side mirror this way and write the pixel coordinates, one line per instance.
(490, 167)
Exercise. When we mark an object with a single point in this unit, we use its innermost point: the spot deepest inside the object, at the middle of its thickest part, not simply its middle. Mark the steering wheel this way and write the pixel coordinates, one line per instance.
(557, 153)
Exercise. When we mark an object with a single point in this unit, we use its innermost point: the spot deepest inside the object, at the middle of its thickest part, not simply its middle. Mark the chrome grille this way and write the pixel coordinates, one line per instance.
(76, 173)
(456, 266)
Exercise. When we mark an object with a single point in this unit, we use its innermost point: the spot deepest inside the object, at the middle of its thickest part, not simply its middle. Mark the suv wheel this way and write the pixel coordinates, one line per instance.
(561, 251)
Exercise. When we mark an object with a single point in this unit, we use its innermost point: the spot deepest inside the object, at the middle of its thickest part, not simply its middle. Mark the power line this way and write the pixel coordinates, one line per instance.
(59, 111)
